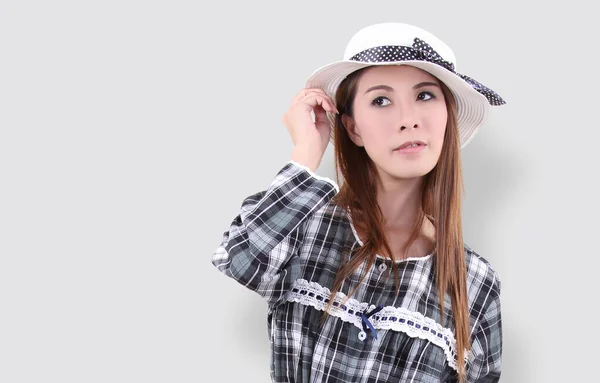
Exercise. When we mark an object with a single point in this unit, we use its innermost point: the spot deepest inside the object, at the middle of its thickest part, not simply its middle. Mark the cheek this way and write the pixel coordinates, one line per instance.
(440, 128)
(374, 128)
(437, 124)
(374, 135)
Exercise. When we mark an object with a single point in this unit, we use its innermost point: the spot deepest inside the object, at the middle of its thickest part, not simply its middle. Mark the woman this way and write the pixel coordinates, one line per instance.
(354, 276)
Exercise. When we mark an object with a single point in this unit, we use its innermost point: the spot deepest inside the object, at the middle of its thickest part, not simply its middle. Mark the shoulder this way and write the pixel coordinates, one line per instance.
(480, 269)
(328, 219)
(483, 281)
(333, 211)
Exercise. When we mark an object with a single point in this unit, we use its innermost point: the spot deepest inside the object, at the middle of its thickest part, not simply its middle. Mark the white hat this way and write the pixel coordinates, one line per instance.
(404, 44)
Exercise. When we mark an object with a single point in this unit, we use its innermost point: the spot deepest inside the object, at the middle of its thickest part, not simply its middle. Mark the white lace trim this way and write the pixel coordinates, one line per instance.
(315, 175)
(412, 323)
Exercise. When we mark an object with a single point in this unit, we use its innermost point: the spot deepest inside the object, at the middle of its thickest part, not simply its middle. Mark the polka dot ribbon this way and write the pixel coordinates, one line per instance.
(420, 50)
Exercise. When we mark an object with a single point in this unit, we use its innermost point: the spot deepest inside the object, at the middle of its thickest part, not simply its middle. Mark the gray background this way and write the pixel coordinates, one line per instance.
(131, 132)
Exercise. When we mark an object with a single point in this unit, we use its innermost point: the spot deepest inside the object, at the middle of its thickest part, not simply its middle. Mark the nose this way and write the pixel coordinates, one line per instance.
(407, 117)
(403, 127)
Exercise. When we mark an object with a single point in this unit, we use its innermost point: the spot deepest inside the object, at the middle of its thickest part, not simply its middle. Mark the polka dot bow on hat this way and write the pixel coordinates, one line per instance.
(404, 44)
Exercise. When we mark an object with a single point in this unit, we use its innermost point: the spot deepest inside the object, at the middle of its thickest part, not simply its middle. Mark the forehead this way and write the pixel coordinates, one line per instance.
(394, 75)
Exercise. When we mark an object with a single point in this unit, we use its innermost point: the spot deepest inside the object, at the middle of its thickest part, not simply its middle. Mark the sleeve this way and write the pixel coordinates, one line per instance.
(260, 248)
(485, 358)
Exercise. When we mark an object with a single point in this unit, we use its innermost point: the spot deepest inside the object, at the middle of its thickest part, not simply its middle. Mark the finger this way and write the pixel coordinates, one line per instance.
(313, 100)
(330, 102)
(305, 92)
(301, 94)
(327, 104)
(320, 115)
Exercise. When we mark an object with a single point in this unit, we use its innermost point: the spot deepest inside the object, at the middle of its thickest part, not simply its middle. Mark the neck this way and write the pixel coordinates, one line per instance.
(399, 200)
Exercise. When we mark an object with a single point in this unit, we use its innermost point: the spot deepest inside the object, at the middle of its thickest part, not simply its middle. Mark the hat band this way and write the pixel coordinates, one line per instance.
(422, 51)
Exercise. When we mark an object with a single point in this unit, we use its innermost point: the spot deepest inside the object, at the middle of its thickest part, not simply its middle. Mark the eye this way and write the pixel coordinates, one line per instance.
(377, 101)
(380, 101)
(432, 96)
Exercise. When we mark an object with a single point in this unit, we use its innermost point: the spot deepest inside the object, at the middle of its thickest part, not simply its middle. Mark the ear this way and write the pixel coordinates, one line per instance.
(352, 130)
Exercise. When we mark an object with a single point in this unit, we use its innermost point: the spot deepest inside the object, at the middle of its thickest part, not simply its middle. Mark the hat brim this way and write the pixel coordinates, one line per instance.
(472, 106)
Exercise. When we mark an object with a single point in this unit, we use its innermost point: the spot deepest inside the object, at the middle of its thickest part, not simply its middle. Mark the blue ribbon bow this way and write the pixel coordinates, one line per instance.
(366, 323)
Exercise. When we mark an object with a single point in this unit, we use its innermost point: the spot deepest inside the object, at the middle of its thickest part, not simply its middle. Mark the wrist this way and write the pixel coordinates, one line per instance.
(306, 157)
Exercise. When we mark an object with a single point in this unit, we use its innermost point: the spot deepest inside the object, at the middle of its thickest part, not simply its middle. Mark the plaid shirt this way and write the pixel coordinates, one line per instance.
(286, 245)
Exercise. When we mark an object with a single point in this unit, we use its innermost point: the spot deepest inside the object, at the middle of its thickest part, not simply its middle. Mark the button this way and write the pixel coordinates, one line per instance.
(362, 335)
(382, 267)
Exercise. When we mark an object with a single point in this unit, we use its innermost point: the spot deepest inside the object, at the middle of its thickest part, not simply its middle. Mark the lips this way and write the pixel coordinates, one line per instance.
(409, 143)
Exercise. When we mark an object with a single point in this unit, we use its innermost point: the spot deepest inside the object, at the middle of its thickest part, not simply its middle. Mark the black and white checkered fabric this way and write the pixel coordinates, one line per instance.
(286, 245)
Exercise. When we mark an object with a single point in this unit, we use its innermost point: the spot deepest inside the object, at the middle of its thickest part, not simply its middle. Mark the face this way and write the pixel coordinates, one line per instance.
(395, 104)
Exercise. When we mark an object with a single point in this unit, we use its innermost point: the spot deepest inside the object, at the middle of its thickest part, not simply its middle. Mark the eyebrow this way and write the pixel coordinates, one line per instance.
(390, 89)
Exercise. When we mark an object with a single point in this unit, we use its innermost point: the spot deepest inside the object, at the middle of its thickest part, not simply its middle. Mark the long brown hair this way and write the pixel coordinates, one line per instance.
(441, 200)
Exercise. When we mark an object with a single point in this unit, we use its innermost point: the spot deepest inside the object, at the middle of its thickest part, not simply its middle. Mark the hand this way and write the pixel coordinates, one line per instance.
(310, 138)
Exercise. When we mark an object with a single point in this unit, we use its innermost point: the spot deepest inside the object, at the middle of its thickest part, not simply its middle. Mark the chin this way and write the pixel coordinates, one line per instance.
(410, 171)
(407, 175)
